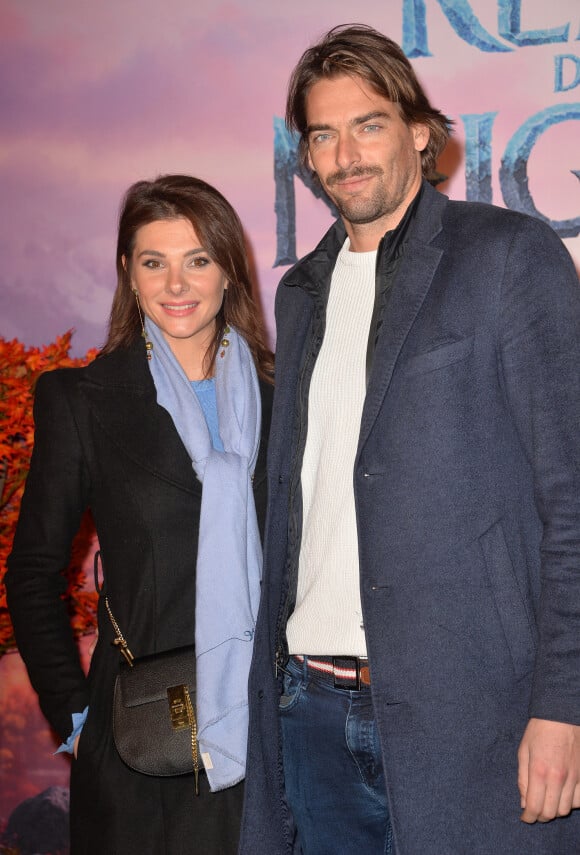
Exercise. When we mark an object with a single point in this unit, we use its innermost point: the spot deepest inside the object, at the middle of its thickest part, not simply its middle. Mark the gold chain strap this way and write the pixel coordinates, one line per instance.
(120, 640)
(194, 751)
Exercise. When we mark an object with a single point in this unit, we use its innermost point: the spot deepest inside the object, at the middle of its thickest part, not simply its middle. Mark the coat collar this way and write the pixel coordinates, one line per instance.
(412, 284)
(120, 393)
(313, 272)
(419, 263)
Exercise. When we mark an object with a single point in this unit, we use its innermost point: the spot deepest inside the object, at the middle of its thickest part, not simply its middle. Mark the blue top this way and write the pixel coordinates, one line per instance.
(205, 393)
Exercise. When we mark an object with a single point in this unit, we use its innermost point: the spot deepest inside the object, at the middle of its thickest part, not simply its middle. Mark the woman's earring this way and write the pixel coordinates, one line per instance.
(148, 344)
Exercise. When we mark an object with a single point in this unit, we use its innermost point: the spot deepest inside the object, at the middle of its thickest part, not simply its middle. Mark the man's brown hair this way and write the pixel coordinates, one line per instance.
(361, 51)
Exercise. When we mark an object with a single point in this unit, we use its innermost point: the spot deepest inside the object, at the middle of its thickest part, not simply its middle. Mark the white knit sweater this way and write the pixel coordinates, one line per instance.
(327, 619)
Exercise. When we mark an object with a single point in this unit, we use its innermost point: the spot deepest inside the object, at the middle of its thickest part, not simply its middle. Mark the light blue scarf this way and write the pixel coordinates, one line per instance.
(229, 556)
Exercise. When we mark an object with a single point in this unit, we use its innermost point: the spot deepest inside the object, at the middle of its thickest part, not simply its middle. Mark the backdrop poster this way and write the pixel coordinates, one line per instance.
(98, 95)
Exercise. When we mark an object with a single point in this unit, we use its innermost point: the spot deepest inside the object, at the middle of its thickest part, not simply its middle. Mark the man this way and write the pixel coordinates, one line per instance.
(421, 597)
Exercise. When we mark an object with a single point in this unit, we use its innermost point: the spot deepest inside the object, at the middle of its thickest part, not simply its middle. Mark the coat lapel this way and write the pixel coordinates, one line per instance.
(413, 281)
(120, 393)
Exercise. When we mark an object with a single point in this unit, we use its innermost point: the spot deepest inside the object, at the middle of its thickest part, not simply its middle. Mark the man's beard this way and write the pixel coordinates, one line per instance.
(359, 211)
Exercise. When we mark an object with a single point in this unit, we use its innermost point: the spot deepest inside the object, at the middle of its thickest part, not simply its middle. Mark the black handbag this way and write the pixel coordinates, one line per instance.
(154, 723)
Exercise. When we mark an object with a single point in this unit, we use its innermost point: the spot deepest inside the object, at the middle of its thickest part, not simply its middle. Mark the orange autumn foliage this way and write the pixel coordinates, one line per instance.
(20, 367)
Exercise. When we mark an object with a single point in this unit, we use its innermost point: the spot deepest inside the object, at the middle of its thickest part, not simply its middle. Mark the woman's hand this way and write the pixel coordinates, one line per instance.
(94, 642)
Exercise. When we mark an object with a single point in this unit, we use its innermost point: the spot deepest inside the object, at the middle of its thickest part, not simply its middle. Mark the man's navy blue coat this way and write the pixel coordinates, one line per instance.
(467, 487)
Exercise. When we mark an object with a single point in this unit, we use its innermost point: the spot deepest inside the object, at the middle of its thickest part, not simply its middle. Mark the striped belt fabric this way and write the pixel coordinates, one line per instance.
(347, 672)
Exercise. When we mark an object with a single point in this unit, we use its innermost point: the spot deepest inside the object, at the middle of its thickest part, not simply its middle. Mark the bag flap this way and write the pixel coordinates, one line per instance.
(151, 676)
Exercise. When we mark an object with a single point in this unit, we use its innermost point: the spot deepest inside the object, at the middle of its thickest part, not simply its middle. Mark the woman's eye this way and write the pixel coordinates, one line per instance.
(152, 264)
(200, 261)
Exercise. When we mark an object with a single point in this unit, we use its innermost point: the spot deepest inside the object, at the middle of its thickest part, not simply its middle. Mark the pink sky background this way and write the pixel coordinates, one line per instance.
(96, 95)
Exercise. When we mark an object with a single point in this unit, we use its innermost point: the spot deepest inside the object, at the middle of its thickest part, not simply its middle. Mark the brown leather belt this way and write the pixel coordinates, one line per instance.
(347, 672)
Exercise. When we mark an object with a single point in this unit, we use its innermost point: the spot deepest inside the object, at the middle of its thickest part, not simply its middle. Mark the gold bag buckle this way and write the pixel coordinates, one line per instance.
(179, 708)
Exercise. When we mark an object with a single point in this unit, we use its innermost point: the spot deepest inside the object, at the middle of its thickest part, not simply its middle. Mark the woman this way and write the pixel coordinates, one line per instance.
(132, 436)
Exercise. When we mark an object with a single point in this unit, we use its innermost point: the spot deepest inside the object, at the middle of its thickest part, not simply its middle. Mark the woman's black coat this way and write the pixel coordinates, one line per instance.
(103, 442)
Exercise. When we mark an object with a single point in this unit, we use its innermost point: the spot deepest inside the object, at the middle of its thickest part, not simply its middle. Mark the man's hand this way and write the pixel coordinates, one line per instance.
(549, 770)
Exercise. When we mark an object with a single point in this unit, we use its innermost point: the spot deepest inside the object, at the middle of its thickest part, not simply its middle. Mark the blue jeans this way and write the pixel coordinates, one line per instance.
(333, 768)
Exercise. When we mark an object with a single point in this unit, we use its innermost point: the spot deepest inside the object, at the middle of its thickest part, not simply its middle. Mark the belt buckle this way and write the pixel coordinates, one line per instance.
(350, 662)
(353, 663)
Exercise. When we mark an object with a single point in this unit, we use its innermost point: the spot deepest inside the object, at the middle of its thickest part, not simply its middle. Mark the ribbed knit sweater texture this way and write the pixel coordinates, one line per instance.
(327, 619)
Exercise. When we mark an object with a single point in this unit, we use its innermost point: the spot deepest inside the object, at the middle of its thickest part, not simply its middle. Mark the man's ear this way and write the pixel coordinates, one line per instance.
(421, 134)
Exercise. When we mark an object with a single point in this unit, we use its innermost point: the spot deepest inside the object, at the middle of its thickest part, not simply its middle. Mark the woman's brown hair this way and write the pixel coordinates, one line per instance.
(220, 232)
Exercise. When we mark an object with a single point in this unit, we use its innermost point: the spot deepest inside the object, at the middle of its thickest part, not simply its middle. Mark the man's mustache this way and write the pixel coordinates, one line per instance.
(356, 172)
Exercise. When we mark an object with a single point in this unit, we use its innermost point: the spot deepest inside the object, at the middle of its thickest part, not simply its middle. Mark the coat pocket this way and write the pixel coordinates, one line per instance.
(439, 357)
(509, 602)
